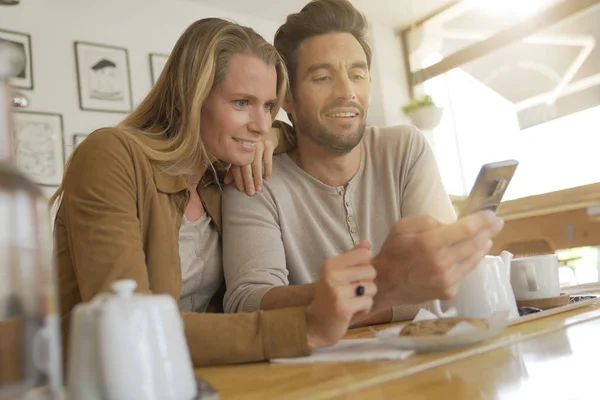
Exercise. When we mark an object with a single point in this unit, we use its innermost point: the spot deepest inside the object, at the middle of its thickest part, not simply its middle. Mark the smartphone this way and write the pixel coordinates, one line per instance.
(489, 187)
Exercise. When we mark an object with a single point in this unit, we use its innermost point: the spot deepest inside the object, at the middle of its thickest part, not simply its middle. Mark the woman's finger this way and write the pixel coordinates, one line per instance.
(228, 177)
(257, 166)
(268, 159)
(248, 180)
(238, 179)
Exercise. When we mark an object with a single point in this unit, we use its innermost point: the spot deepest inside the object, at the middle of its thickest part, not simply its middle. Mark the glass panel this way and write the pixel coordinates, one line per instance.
(578, 265)
(537, 101)
(466, 23)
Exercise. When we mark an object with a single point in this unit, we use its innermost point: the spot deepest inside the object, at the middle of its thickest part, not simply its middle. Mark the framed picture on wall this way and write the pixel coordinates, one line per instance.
(24, 79)
(157, 63)
(103, 77)
(78, 138)
(39, 142)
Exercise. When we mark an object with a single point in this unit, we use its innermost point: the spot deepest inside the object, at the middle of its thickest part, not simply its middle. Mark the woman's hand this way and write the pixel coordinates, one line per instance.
(339, 296)
(249, 179)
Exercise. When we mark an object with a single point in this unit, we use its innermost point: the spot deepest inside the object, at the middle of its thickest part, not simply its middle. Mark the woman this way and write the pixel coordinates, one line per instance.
(142, 201)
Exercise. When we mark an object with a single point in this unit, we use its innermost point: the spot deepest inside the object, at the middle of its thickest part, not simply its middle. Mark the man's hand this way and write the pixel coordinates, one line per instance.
(336, 301)
(423, 259)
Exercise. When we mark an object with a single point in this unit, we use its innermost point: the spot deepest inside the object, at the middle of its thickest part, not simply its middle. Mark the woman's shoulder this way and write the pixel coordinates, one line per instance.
(114, 141)
(106, 138)
(109, 148)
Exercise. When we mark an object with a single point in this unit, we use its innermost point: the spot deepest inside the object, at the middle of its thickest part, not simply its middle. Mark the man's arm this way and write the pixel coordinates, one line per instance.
(254, 259)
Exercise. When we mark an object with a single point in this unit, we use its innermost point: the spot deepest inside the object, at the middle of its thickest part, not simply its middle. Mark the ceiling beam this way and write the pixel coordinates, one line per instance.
(514, 33)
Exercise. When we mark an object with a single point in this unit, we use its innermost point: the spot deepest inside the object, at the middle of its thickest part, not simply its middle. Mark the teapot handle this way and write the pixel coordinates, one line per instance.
(40, 348)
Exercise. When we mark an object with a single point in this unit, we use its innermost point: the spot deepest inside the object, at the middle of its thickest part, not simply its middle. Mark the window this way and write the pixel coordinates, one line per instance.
(535, 98)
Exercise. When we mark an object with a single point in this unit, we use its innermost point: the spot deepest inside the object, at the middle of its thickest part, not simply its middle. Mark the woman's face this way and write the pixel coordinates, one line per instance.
(237, 113)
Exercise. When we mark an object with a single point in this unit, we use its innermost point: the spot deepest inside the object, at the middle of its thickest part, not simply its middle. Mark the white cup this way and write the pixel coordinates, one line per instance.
(535, 277)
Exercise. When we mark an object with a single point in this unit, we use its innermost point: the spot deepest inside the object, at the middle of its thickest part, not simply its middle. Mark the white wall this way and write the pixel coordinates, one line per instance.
(389, 76)
(145, 26)
(141, 26)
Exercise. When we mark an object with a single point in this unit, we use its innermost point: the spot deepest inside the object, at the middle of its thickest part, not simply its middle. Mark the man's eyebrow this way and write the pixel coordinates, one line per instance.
(318, 66)
(329, 67)
(359, 64)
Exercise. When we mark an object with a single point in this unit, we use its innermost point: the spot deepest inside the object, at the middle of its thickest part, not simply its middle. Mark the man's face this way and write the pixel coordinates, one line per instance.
(330, 100)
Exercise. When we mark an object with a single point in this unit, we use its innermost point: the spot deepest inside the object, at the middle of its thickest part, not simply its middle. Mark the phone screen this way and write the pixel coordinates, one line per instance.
(489, 187)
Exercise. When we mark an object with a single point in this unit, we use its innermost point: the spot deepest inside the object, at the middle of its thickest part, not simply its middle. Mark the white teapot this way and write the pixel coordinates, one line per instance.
(129, 346)
(483, 291)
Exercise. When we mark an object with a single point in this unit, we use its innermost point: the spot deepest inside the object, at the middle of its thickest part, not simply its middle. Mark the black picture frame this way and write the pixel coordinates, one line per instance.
(78, 138)
(24, 79)
(103, 77)
(156, 60)
(43, 159)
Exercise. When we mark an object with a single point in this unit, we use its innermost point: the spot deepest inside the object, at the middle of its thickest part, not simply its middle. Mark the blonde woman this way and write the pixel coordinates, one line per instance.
(142, 201)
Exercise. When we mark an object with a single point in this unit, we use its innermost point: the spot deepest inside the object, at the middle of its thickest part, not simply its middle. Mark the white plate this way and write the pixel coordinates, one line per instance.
(392, 337)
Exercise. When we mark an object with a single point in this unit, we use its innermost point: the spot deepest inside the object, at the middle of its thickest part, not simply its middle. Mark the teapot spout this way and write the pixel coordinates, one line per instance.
(506, 257)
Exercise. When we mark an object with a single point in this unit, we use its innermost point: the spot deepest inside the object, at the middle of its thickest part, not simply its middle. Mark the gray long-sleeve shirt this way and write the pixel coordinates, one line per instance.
(282, 235)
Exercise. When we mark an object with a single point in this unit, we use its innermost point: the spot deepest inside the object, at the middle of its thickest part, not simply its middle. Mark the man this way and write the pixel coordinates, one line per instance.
(344, 183)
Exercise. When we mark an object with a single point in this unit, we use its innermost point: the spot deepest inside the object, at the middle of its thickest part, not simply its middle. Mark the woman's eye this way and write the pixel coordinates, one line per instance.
(357, 77)
(241, 103)
(322, 79)
(269, 106)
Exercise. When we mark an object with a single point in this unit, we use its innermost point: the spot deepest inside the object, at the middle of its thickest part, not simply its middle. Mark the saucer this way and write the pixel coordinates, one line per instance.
(546, 303)
(431, 343)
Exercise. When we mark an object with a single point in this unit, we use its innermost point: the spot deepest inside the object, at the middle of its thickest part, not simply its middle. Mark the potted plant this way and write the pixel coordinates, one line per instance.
(423, 112)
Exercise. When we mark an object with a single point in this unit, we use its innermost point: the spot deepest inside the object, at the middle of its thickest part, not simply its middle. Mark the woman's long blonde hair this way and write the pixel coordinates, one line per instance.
(169, 116)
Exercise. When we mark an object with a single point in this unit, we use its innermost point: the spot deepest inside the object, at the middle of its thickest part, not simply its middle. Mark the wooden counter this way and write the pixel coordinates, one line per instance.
(559, 364)
(529, 359)
(563, 219)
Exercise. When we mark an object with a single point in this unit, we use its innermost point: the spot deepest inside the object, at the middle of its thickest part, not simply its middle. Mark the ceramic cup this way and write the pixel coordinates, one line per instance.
(535, 277)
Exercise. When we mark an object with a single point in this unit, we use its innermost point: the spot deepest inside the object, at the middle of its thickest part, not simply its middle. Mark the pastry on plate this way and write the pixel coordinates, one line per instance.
(438, 326)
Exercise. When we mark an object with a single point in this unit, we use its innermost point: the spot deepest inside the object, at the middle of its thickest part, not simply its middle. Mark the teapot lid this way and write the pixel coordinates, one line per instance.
(124, 288)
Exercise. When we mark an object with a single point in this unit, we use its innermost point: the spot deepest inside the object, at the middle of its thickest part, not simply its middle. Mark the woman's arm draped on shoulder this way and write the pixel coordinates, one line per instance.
(249, 178)
(100, 201)
(253, 252)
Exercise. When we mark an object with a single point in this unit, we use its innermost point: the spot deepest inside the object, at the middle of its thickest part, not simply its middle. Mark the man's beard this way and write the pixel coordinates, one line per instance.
(330, 141)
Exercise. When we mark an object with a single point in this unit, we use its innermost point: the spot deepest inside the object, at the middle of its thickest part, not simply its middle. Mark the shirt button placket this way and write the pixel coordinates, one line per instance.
(351, 220)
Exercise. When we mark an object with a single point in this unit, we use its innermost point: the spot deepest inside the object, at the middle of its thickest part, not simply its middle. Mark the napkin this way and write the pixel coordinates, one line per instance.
(499, 318)
(351, 350)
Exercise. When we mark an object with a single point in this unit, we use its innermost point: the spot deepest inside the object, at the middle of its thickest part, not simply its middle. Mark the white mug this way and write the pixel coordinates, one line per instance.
(535, 277)
(484, 291)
